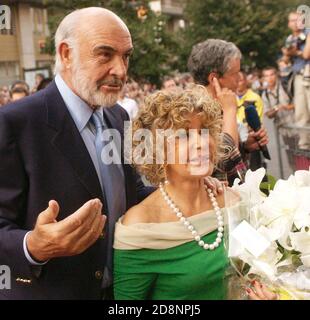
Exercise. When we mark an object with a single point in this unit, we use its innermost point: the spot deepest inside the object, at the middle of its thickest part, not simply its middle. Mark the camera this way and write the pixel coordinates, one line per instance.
(292, 41)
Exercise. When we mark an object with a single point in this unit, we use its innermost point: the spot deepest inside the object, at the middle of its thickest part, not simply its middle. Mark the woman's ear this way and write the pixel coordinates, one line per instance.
(211, 76)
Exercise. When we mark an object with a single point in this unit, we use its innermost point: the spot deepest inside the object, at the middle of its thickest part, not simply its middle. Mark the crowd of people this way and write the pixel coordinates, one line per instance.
(73, 226)
(20, 89)
(279, 93)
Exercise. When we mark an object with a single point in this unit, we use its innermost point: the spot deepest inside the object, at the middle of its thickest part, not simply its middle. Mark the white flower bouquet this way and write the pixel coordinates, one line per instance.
(269, 239)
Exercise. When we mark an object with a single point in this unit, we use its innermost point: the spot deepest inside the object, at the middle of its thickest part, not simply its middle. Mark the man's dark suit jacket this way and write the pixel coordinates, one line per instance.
(43, 157)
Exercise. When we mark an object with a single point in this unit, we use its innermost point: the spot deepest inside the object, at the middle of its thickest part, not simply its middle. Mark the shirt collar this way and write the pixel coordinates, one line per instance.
(274, 90)
(79, 110)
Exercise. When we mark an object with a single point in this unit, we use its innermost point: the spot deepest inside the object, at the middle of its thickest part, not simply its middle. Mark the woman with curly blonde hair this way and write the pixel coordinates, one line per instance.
(170, 245)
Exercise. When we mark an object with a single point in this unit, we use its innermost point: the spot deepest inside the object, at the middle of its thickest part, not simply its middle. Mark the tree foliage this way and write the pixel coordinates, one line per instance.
(155, 49)
(257, 27)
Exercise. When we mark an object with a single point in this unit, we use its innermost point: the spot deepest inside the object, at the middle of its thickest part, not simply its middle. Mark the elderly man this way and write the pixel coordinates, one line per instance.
(53, 185)
(215, 64)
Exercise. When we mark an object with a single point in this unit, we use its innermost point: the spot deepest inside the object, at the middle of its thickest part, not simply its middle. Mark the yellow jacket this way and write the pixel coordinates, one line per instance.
(250, 95)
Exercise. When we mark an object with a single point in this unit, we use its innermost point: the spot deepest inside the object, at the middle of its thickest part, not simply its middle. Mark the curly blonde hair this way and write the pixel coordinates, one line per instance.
(171, 110)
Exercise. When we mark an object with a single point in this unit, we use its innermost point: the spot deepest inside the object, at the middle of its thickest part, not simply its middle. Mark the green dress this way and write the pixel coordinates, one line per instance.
(161, 261)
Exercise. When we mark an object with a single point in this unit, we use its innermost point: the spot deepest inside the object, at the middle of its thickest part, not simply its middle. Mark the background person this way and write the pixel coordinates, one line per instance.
(130, 105)
(297, 50)
(20, 84)
(244, 96)
(18, 93)
(278, 107)
(215, 64)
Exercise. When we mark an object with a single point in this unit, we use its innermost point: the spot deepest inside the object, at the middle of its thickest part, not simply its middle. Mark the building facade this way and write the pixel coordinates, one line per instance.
(173, 9)
(22, 44)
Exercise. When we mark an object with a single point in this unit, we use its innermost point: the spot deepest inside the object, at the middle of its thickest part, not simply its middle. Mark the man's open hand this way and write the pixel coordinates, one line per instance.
(68, 237)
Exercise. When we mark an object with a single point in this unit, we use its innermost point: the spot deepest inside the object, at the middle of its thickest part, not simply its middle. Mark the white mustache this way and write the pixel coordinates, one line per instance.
(113, 83)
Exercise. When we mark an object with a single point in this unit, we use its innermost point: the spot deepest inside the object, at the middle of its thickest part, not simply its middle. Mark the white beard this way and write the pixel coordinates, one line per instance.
(92, 96)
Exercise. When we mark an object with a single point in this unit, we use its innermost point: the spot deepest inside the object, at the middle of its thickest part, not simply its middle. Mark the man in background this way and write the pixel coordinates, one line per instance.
(20, 84)
(18, 93)
(279, 108)
(4, 95)
(296, 49)
(130, 105)
(168, 83)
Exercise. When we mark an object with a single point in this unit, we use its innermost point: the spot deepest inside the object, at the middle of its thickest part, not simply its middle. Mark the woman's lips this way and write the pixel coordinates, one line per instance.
(199, 161)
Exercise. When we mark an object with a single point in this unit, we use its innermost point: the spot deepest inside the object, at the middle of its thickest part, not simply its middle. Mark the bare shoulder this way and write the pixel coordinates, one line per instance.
(144, 212)
(136, 214)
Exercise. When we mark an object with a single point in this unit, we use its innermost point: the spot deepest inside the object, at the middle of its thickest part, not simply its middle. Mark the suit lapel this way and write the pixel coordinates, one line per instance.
(69, 142)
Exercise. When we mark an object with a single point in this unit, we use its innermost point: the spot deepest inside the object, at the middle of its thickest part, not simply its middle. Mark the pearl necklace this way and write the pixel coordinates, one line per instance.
(190, 227)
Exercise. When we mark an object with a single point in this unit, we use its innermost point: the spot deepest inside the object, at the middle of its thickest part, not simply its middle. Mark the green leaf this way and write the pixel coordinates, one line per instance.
(281, 249)
(296, 260)
(268, 185)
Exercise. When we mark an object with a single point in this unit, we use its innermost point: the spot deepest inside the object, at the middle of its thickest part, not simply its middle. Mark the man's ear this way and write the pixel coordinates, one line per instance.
(65, 54)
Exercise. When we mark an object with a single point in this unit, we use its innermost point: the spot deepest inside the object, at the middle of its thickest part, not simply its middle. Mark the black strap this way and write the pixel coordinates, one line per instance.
(277, 96)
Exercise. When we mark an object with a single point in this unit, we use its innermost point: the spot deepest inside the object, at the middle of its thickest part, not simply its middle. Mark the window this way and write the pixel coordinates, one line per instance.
(9, 72)
(11, 31)
(38, 19)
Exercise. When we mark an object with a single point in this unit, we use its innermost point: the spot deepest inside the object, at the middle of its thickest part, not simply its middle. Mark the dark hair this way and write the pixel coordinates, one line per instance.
(20, 82)
(19, 90)
(167, 78)
(44, 83)
(270, 68)
(40, 75)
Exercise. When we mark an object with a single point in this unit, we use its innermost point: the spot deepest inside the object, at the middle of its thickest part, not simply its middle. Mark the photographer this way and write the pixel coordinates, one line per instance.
(297, 49)
(278, 107)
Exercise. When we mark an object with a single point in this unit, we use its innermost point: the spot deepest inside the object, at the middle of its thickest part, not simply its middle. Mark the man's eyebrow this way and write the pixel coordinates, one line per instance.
(104, 48)
(101, 48)
(129, 51)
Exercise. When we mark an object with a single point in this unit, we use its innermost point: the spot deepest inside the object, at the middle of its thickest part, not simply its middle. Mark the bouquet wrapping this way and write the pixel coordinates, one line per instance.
(268, 237)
